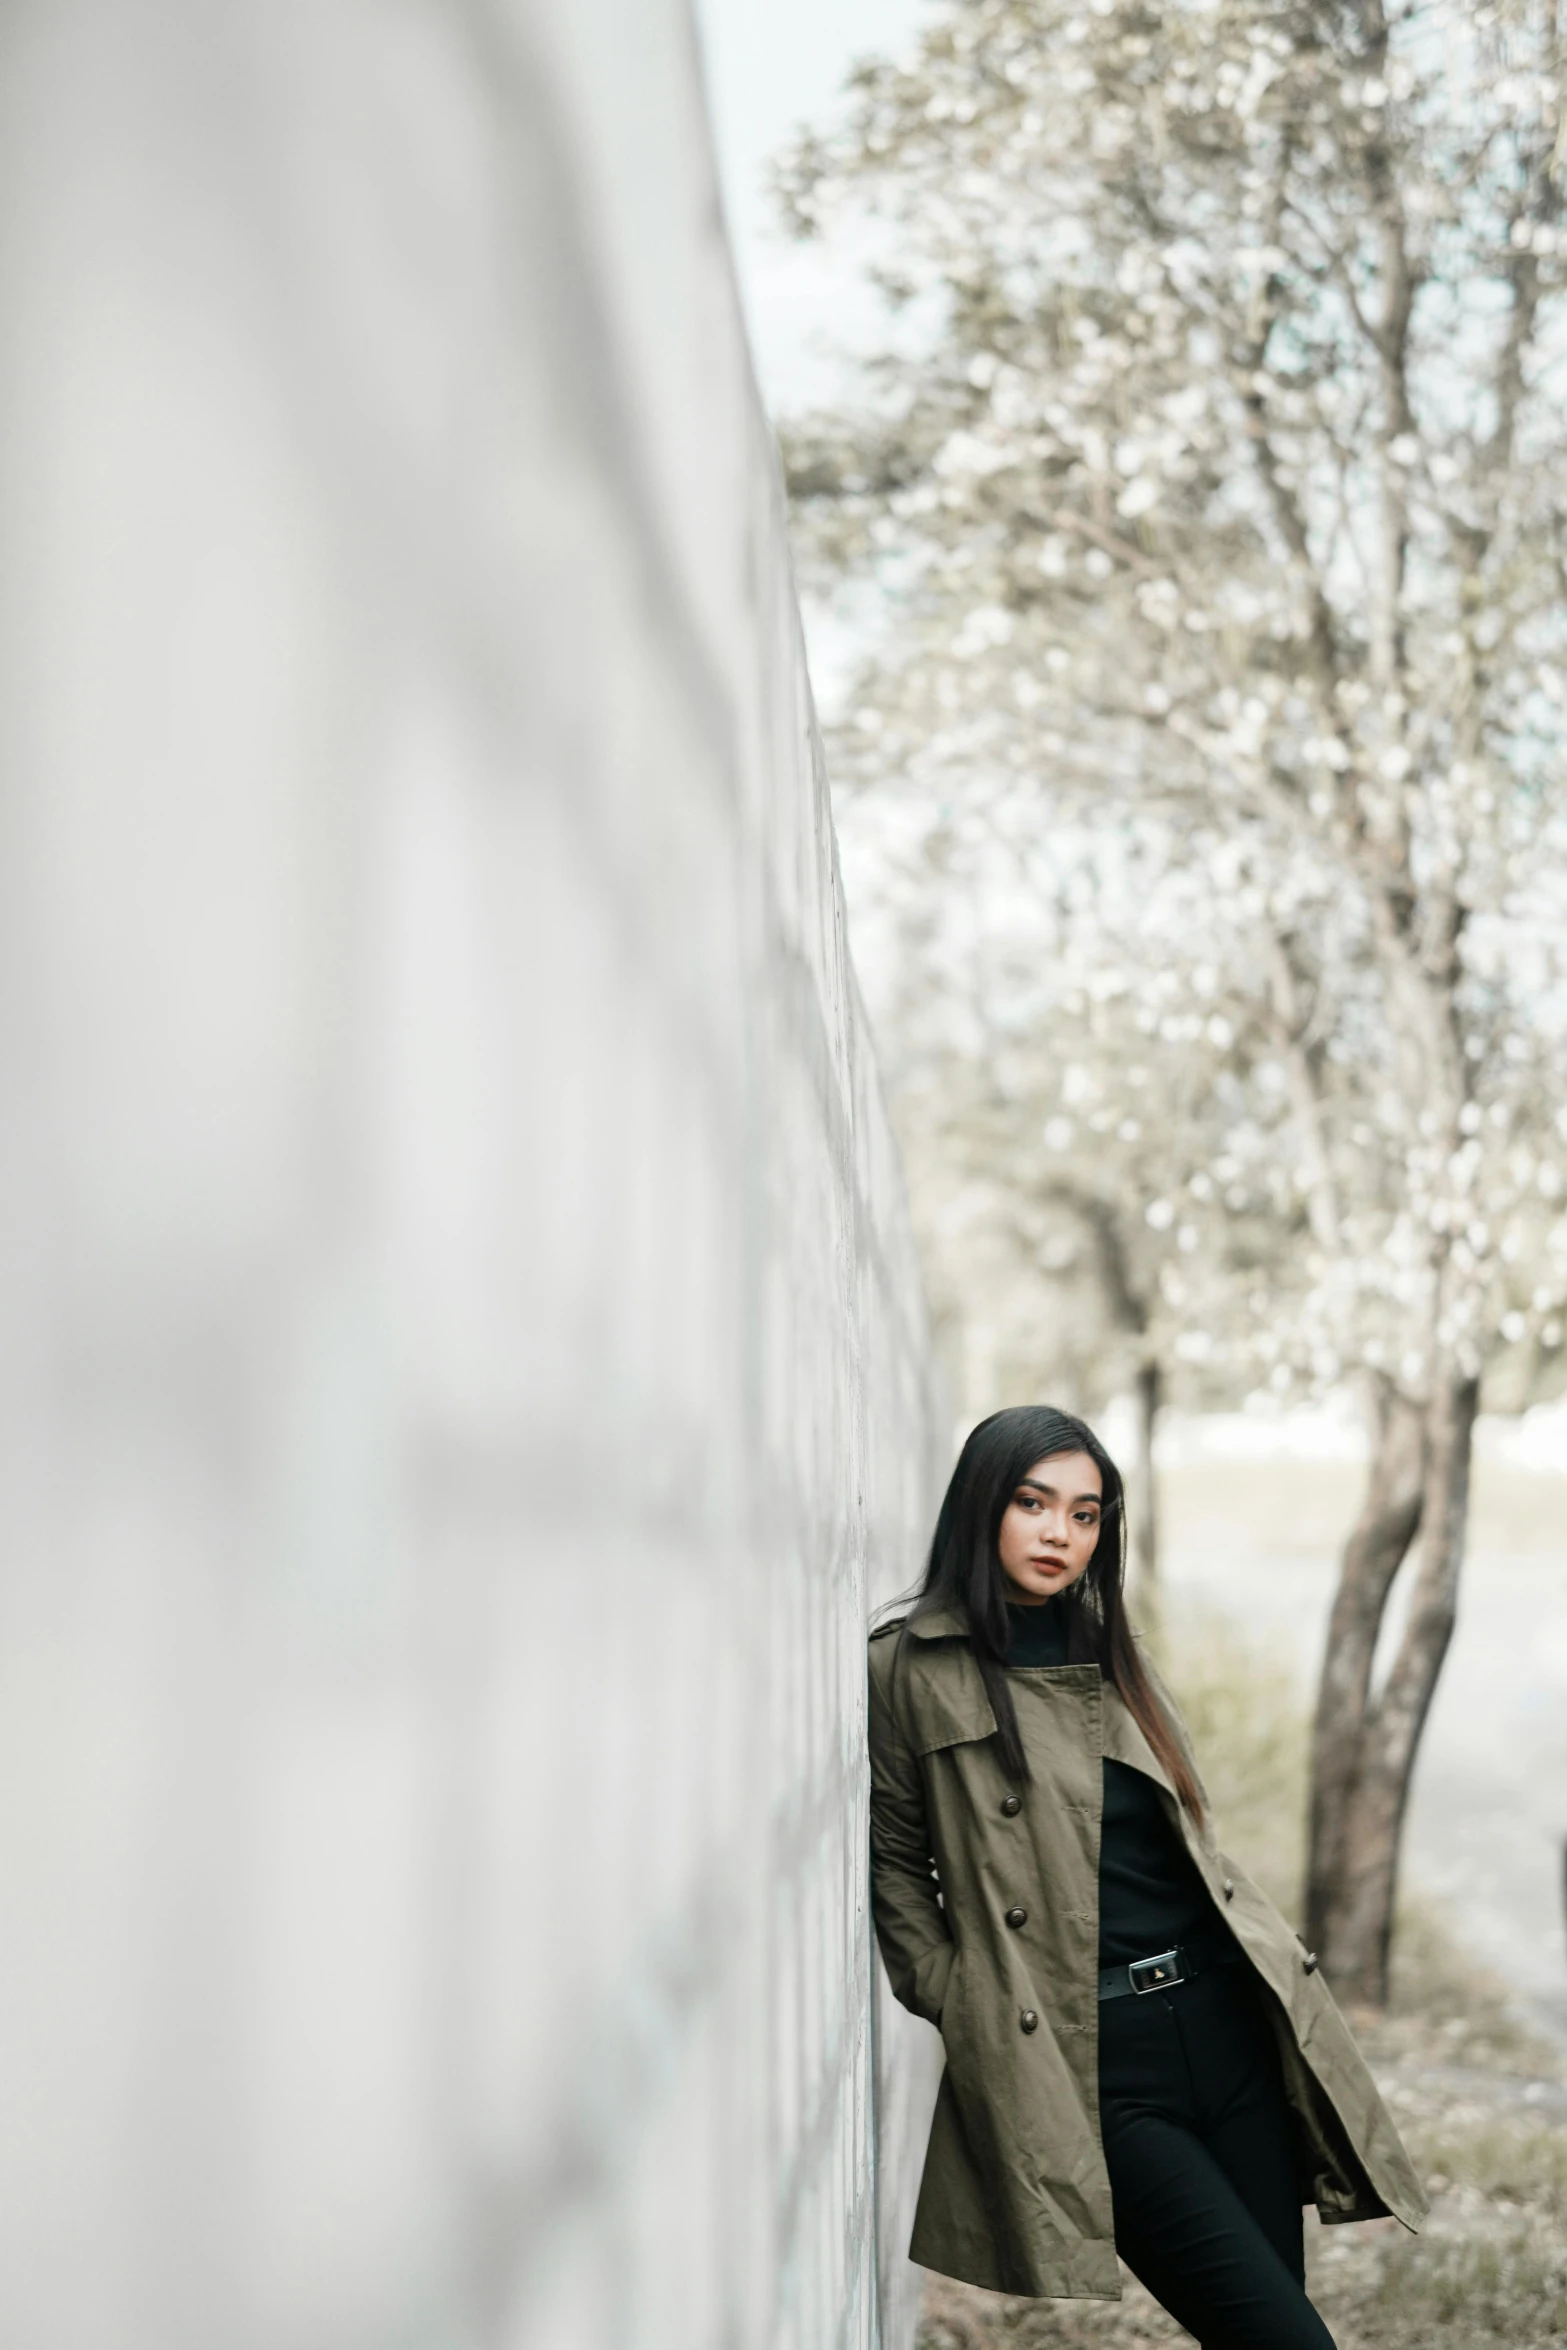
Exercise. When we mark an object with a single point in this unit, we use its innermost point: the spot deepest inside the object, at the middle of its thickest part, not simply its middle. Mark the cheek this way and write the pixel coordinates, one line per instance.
(1017, 1533)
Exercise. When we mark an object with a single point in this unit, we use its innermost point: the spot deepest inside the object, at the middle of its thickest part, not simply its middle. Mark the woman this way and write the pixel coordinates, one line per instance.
(1141, 2057)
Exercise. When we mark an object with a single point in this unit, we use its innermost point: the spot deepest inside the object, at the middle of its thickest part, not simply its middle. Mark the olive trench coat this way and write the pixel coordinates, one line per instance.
(1015, 2194)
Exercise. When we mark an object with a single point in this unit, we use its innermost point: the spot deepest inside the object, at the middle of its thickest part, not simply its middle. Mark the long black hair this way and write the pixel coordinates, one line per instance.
(965, 1570)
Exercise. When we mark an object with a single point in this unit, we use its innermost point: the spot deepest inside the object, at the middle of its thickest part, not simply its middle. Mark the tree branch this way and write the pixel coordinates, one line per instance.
(1289, 1025)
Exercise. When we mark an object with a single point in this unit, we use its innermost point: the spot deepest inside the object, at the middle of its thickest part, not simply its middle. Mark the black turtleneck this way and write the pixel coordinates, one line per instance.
(1150, 1895)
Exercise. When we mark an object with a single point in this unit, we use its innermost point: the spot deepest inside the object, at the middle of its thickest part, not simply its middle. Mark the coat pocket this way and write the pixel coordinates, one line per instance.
(949, 2022)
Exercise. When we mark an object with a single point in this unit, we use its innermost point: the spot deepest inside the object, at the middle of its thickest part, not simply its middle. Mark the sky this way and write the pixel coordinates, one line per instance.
(772, 65)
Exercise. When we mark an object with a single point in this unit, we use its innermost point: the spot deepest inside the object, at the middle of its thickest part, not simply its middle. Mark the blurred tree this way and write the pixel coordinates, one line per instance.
(1073, 1101)
(1216, 478)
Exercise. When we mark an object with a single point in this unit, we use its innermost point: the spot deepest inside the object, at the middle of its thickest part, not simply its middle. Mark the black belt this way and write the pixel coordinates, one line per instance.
(1161, 1972)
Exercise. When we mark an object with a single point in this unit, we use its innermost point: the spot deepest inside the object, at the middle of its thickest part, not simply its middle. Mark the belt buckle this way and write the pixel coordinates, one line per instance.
(1156, 1973)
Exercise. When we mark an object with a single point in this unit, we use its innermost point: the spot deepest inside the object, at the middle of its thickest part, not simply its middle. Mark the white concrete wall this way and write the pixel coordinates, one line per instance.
(463, 1367)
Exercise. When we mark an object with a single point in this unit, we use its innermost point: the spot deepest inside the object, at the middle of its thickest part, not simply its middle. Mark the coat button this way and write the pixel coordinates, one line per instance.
(1011, 1806)
(1310, 1962)
(1028, 2020)
(1017, 1917)
(1229, 1888)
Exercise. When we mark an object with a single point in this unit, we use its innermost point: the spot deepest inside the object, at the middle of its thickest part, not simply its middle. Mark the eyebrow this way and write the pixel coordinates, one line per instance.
(1034, 1486)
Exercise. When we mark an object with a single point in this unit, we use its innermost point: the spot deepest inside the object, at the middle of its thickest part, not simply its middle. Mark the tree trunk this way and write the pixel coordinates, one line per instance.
(1389, 1519)
(1364, 1744)
(1150, 1395)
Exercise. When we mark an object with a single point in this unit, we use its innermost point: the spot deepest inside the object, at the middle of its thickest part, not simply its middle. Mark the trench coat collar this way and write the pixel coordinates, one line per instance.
(943, 1623)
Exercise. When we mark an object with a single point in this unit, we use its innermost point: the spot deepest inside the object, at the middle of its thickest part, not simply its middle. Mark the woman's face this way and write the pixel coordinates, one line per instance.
(1051, 1527)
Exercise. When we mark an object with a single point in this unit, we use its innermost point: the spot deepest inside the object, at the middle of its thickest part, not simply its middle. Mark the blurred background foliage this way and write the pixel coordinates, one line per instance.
(1201, 778)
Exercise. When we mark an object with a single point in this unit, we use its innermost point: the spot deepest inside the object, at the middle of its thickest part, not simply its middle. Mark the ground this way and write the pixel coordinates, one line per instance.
(1480, 2098)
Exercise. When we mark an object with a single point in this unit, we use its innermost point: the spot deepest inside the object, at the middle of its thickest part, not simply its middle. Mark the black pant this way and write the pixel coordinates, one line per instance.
(1202, 2175)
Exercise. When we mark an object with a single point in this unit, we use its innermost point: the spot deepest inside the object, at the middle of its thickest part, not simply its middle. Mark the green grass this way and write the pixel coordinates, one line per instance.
(1251, 1738)
(1522, 2163)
